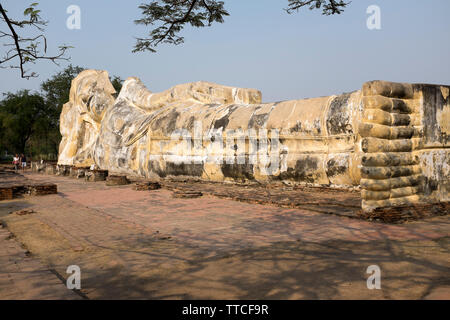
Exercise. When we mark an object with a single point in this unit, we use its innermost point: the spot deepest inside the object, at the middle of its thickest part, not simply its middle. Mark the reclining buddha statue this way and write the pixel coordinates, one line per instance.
(390, 140)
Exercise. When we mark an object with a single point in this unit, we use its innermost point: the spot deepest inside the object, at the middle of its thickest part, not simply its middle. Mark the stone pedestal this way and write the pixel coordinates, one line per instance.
(6, 193)
(77, 172)
(143, 186)
(62, 170)
(116, 180)
(37, 167)
(187, 194)
(50, 169)
(96, 175)
(42, 189)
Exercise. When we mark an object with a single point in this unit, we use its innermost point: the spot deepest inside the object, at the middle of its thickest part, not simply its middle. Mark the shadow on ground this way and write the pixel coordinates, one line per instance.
(332, 270)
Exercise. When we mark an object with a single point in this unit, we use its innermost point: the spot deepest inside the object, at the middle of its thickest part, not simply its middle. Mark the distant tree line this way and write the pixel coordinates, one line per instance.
(29, 121)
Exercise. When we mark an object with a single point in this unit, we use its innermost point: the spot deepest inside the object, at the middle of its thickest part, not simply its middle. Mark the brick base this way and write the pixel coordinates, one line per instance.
(407, 213)
(6, 193)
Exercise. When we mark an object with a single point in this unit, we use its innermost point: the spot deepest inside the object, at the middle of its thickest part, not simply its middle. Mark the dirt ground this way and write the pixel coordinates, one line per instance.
(148, 245)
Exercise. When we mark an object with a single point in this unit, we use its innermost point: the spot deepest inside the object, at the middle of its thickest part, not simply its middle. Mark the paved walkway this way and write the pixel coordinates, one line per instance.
(146, 244)
(25, 277)
(214, 223)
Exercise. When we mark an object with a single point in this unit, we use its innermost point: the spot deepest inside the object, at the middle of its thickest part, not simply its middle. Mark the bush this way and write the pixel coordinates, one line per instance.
(6, 158)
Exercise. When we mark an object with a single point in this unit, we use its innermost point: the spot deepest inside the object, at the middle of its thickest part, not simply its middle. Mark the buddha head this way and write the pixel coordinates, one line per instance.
(91, 95)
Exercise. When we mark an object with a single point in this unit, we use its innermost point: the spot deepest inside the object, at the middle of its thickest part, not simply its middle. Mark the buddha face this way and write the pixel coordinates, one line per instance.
(91, 94)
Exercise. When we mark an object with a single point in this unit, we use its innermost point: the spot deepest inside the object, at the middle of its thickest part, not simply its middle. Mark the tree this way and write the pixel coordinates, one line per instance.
(30, 122)
(116, 82)
(173, 15)
(26, 50)
(21, 115)
(329, 7)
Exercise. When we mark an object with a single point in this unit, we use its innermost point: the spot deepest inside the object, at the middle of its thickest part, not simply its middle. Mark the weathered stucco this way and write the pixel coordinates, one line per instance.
(388, 139)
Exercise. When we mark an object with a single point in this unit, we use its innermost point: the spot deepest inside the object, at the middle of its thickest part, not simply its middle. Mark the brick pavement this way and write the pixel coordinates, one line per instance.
(215, 223)
(25, 277)
(135, 244)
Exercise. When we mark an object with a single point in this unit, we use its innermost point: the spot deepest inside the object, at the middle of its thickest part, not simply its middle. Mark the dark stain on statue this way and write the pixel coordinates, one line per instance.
(238, 172)
(81, 136)
(100, 160)
(172, 121)
(184, 169)
(167, 123)
(433, 103)
(317, 126)
(401, 106)
(296, 128)
(305, 171)
(156, 168)
(336, 169)
(365, 145)
(223, 122)
(133, 153)
(190, 124)
(338, 119)
(429, 186)
(258, 120)
(121, 162)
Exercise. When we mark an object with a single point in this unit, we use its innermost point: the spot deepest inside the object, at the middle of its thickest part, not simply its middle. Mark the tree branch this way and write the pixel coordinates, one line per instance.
(173, 16)
(16, 39)
(330, 7)
(27, 49)
(173, 23)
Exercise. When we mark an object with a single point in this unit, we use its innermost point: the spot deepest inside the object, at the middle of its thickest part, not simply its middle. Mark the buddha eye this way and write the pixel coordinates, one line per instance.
(87, 102)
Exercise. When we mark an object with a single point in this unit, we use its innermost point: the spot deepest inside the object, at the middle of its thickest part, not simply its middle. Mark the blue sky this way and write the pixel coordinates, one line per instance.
(259, 46)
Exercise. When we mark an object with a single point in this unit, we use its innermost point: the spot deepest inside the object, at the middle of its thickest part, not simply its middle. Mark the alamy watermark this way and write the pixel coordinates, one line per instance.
(73, 22)
(232, 146)
(74, 280)
(374, 19)
(374, 280)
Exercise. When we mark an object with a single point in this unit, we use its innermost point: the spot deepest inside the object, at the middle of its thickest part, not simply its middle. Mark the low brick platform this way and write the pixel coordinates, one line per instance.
(144, 186)
(407, 213)
(96, 175)
(42, 189)
(15, 191)
(19, 189)
(324, 200)
(37, 167)
(116, 180)
(50, 169)
(14, 185)
(6, 193)
(62, 170)
(78, 172)
(187, 194)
